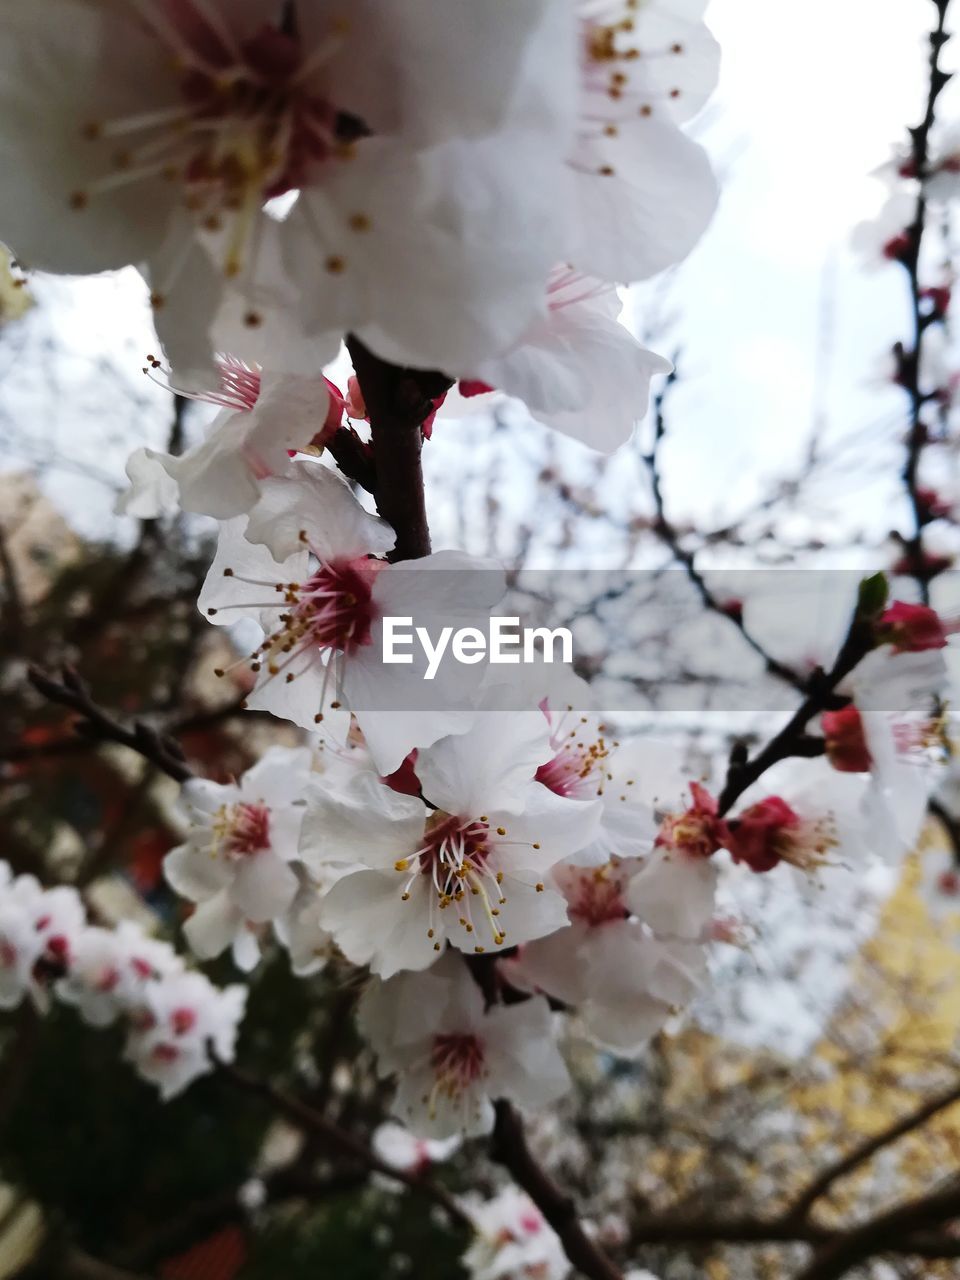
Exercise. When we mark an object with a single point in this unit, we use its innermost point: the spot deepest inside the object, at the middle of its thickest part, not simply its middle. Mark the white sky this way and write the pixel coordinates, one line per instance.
(810, 99)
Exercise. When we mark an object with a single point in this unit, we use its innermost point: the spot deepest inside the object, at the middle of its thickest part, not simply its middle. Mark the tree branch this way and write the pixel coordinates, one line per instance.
(314, 1122)
(693, 1232)
(509, 1148)
(398, 402)
(868, 1148)
(909, 361)
(882, 1233)
(669, 536)
(96, 725)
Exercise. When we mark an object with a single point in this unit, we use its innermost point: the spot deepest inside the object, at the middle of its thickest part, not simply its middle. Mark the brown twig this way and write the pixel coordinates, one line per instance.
(398, 402)
(691, 1231)
(97, 725)
(14, 614)
(909, 361)
(882, 1233)
(510, 1149)
(950, 825)
(317, 1124)
(669, 536)
(867, 1149)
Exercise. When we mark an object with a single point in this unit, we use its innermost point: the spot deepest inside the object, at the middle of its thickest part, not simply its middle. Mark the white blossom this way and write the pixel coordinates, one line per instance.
(322, 609)
(452, 1056)
(606, 964)
(399, 1148)
(513, 1241)
(577, 368)
(470, 869)
(111, 968)
(181, 1026)
(265, 417)
(235, 861)
(643, 191)
(153, 134)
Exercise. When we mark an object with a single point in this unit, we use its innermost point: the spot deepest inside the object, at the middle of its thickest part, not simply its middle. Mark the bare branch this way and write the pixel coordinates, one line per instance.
(97, 725)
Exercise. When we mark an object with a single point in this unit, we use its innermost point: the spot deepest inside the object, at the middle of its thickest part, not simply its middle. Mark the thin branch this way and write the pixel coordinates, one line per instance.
(510, 1148)
(867, 1149)
(14, 615)
(669, 536)
(909, 361)
(314, 1122)
(96, 725)
(881, 1234)
(687, 1231)
(23, 752)
(950, 825)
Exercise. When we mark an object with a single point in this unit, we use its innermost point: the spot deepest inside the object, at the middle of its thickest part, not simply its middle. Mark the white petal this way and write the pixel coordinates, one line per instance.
(64, 64)
(263, 886)
(371, 925)
(490, 767)
(152, 492)
(650, 211)
(194, 874)
(452, 265)
(211, 928)
(365, 822)
(316, 500)
(674, 894)
(484, 59)
(523, 1058)
(222, 590)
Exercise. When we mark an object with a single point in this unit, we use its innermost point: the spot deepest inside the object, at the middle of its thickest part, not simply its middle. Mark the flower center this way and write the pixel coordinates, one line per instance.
(333, 609)
(241, 829)
(455, 856)
(579, 767)
(691, 833)
(183, 1020)
(576, 769)
(250, 123)
(595, 896)
(457, 1060)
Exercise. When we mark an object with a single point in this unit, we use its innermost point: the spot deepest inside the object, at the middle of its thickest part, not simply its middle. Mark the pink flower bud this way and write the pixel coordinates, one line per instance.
(911, 628)
(846, 744)
(698, 831)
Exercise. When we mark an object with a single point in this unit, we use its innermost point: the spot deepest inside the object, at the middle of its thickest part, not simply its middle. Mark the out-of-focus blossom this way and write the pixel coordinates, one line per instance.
(513, 1241)
(452, 1056)
(235, 861)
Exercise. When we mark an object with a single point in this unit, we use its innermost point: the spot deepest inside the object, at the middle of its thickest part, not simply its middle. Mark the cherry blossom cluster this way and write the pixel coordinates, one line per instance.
(178, 1023)
(513, 1241)
(458, 188)
(462, 189)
